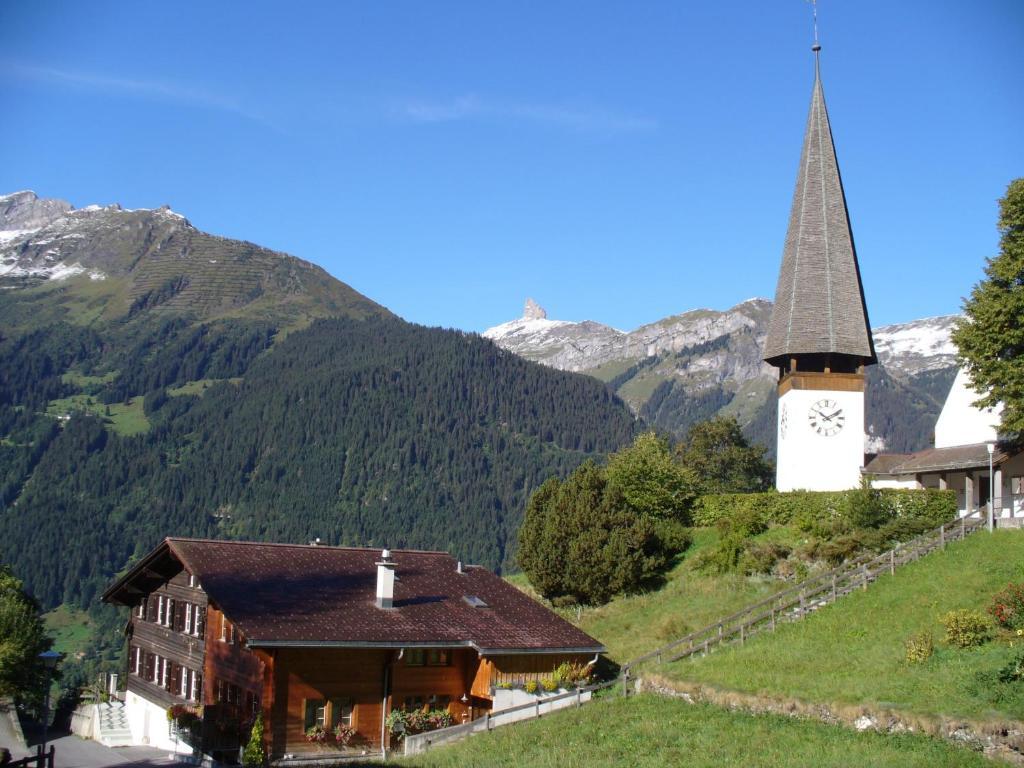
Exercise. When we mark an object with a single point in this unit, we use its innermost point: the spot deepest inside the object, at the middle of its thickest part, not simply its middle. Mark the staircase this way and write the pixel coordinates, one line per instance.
(806, 597)
(112, 725)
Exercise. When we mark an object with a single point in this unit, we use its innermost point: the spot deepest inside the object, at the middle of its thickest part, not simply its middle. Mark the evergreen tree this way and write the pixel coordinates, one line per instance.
(581, 543)
(991, 336)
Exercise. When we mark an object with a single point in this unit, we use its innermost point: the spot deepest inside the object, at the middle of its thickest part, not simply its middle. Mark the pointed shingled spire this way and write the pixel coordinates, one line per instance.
(819, 301)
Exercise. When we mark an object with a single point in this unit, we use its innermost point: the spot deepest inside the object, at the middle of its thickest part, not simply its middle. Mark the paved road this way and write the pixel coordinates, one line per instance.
(73, 752)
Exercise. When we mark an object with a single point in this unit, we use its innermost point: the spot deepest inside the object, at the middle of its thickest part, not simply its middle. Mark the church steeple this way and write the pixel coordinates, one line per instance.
(820, 319)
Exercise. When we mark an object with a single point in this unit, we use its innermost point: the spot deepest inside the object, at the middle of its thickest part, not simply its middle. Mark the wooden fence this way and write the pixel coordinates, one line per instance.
(794, 603)
(421, 742)
(39, 760)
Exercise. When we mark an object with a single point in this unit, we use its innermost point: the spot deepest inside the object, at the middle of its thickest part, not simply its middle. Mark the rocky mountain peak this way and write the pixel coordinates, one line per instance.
(25, 210)
(534, 311)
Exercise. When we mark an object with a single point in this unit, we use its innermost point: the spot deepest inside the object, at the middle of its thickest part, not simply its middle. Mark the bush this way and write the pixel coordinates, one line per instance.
(966, 629)
(254, 756)
(761, 557)
(920, 647)
(810, 510)
(1007, 607)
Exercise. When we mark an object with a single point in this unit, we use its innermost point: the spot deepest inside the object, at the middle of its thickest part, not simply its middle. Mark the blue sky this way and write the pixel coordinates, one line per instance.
(615, 161)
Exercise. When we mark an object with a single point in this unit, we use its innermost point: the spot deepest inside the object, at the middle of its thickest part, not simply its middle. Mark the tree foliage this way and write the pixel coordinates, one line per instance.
(580, 542)
(22, 639)
(374, 432)
(722, 460)
(650, 480)
(991, 336)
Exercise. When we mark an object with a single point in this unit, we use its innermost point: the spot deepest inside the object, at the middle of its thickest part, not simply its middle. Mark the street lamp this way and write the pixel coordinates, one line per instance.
(49, 659)
(991, 488)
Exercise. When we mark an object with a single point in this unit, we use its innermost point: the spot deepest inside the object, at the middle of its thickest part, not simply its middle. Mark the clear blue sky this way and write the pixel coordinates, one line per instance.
(615, 161)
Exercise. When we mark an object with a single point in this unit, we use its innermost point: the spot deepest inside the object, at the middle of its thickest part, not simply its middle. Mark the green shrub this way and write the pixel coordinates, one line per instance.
(254, 755)
(920, 647)
(966, 629)
(812, 510)
(1013, 672)
(761, 557)
(1007, 606)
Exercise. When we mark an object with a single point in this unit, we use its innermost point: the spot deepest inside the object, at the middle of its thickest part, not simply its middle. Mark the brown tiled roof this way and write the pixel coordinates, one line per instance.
(819, 301)
(885, 463)
(289, 594)
(957, 457)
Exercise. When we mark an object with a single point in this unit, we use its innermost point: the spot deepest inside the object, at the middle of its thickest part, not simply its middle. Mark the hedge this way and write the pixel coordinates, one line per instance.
(820, 506)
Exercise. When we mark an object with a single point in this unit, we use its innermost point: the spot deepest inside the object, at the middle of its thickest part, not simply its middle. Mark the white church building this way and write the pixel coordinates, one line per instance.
(968, 458)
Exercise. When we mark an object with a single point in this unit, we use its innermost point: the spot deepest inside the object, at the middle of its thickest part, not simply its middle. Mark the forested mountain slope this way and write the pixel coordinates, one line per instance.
(130, 413)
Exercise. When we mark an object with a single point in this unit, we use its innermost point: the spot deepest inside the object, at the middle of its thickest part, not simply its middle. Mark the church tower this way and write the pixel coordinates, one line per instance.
(819, 337)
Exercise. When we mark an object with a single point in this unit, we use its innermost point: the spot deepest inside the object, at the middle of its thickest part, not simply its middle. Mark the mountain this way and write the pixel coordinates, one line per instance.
(691, 366)
(156, 380)
(105, 264)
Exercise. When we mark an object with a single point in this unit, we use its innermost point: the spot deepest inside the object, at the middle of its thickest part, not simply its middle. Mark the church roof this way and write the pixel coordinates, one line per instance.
(819, 301)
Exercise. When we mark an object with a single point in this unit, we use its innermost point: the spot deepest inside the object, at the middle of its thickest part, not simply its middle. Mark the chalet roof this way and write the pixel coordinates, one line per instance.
(819, 300)
(295, 595)
(954, 458)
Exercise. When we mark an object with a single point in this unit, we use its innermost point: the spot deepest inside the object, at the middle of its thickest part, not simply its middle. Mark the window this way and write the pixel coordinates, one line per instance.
(438, 657)
(188, 618)
(227, 630)
(341, 712)
(431, 657)
(315, 713)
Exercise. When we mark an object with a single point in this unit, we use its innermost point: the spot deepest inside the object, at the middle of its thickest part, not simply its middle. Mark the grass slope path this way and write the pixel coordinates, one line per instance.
(803, 599)
(847, 661)
(651, 731)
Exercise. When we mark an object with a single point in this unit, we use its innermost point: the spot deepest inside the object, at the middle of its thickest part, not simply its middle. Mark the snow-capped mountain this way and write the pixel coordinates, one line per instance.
(690, 366)
(918, 346)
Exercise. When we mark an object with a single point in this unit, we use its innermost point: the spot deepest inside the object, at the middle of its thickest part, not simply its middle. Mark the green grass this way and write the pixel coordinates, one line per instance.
(125, 419)
(70, 629)
(688, 600)
(198, 387)
(852, 652)
(651, 731)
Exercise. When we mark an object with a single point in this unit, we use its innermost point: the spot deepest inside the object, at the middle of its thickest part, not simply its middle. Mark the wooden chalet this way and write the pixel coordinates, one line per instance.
(316, 635)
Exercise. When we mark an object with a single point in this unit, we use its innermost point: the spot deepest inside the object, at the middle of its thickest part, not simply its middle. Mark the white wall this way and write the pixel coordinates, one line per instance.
(810, 460)
(961, 422)
(148, 724)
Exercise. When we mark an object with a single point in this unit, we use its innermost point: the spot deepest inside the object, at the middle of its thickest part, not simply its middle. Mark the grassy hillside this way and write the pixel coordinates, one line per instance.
(852, 652)
(651, 731)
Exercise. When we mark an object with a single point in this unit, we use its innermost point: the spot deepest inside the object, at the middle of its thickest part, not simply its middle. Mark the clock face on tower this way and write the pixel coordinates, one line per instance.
(826, 417)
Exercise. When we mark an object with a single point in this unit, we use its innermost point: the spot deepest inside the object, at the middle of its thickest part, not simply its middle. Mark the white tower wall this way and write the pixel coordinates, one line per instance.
(817, 453)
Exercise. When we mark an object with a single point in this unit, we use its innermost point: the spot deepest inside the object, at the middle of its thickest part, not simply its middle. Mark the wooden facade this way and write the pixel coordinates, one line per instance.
(185, 648)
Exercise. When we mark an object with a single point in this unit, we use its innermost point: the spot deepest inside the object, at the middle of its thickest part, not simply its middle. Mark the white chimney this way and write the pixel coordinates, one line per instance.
(385, 581)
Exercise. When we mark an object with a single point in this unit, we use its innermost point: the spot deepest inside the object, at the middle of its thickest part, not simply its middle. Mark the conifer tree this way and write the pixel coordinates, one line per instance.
(991, 336)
